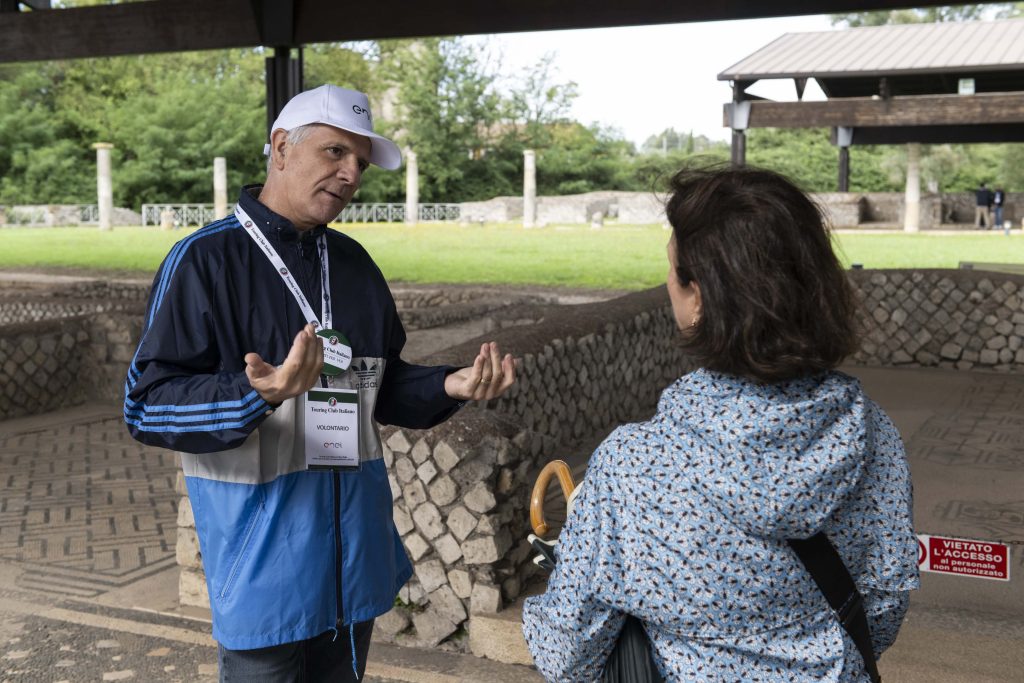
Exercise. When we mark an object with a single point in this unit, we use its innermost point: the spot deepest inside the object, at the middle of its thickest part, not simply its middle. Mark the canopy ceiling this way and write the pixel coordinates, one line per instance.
(177, 25)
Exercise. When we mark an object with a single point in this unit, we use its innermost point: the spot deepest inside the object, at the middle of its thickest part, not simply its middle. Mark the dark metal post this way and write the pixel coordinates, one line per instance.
(844, 169)
(739, 148)
(842, 137)
(284, 81)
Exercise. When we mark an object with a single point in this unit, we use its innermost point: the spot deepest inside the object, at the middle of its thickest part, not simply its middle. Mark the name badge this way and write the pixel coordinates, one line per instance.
(337, 352)
(332, 429)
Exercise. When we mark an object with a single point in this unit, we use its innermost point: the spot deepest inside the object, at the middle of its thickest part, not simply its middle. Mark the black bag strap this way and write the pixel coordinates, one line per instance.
(822, 560)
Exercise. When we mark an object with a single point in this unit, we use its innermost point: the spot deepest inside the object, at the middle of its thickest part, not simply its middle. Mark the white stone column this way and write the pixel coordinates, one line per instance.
(104, 184)
(220, 187)
(912, 198)
(412, 188)
(529, 188)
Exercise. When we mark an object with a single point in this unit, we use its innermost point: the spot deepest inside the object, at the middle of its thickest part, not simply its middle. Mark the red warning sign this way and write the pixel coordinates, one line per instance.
(980, 559)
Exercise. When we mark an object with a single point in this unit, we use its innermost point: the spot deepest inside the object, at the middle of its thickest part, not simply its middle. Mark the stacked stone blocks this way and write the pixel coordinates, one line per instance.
(462, 491)
(55, 364)
(940, 318)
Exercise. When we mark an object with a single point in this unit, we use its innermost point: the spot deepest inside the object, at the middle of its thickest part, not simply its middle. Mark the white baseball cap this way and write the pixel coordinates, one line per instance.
(348, 110)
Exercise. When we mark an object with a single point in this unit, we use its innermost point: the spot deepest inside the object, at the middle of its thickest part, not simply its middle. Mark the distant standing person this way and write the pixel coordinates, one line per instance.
(982, 200)
(998, 197)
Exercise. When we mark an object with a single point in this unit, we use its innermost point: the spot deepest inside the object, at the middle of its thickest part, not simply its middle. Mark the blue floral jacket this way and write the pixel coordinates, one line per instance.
(682, 521)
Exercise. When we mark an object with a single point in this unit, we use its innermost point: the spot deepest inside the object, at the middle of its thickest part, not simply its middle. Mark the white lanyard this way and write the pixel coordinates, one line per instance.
(321, 244)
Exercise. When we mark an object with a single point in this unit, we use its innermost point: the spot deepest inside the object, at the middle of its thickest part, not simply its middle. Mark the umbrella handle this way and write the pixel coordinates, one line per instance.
(554, 468)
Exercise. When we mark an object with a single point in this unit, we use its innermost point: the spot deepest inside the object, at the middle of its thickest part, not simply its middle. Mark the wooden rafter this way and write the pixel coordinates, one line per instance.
(858, 112)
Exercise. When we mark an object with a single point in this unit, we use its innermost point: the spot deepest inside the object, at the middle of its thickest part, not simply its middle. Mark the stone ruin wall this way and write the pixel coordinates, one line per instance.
(960, 319)
(62, 362)
(50, 215)
(845, 209)
(462, 490)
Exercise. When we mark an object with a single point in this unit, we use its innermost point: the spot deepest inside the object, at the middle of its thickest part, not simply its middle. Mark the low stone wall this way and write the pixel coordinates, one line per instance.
(36, 309)
(422, 309)
(642, 208)
(842, 208)
(55, 364)
(937, 210)
(568, 209)
(115, 290)
(579, 208)
(104, 320)
(50, 215)
(959, 319)
(497, 210)
(13, 290)
(845, 209)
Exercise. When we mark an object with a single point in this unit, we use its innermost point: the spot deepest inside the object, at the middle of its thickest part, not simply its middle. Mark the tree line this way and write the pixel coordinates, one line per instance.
(168, 115)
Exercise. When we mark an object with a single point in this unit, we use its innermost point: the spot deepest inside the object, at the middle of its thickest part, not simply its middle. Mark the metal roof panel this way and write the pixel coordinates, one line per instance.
(897, 48)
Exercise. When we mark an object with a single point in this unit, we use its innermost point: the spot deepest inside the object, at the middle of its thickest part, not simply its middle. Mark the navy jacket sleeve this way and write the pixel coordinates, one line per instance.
(178, 393)
(412, 396)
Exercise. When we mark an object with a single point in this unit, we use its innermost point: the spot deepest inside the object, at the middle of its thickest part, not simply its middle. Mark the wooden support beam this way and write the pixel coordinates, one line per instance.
(177, 25)
(127, 28)
(864, 112)
(938, 135)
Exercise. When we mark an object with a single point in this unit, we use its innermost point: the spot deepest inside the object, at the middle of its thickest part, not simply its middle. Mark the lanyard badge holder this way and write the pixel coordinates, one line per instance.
(330, 416)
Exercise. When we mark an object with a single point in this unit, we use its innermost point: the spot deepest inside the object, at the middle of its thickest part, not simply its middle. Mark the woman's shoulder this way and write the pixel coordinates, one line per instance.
(640, 447)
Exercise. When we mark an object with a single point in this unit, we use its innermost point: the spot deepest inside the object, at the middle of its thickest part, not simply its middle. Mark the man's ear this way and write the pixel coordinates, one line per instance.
(278, 144)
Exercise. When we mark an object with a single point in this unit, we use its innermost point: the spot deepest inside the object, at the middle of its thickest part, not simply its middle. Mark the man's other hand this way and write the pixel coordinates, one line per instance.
(489, 377)
(299, 372)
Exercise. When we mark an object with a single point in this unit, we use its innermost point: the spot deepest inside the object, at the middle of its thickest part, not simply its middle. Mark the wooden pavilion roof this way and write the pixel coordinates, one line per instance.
(915, 59)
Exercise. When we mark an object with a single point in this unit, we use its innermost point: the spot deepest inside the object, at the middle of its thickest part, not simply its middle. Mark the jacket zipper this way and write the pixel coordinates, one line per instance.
(335, 476)
(337, 544)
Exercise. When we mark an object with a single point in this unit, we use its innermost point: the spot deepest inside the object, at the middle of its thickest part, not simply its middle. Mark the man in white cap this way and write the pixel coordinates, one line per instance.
(269, 353)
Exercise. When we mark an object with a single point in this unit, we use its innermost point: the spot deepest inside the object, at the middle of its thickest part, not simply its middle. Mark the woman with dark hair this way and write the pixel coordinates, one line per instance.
(686, 521)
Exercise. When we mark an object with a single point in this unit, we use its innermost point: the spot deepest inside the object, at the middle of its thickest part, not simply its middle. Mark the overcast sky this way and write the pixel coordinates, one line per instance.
(643, 80)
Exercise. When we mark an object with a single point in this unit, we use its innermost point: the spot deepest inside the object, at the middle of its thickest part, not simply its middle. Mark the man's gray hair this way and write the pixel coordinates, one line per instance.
(295, 136)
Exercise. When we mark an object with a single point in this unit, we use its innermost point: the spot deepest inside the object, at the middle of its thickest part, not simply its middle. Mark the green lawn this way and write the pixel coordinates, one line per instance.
(615, 257)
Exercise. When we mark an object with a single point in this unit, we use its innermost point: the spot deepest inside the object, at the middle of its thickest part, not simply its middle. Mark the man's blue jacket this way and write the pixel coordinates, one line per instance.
(288, 553)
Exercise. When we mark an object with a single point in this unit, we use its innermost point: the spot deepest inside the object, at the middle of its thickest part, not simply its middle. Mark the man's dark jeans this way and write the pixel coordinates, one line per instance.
(327, 657)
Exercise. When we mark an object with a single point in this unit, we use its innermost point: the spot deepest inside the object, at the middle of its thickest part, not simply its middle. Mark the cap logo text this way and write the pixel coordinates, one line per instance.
(362, 112)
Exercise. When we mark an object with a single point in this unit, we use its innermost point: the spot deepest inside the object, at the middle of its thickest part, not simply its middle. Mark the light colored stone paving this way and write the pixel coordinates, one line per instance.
(83, 507)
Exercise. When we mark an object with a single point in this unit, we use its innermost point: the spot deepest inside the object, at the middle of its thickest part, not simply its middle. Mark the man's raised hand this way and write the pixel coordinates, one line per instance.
(298, 373)
(489, 377)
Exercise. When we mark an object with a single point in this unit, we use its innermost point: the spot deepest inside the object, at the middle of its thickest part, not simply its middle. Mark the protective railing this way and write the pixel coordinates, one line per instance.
(395, 213)
(184, 214)
(201, 214)
(88, 213)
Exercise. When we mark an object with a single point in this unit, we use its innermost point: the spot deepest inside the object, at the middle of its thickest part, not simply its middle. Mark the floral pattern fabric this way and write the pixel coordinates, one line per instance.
(682, 521)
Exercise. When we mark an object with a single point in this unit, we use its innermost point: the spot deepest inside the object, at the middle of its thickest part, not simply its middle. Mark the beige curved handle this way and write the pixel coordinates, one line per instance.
(540, 488)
